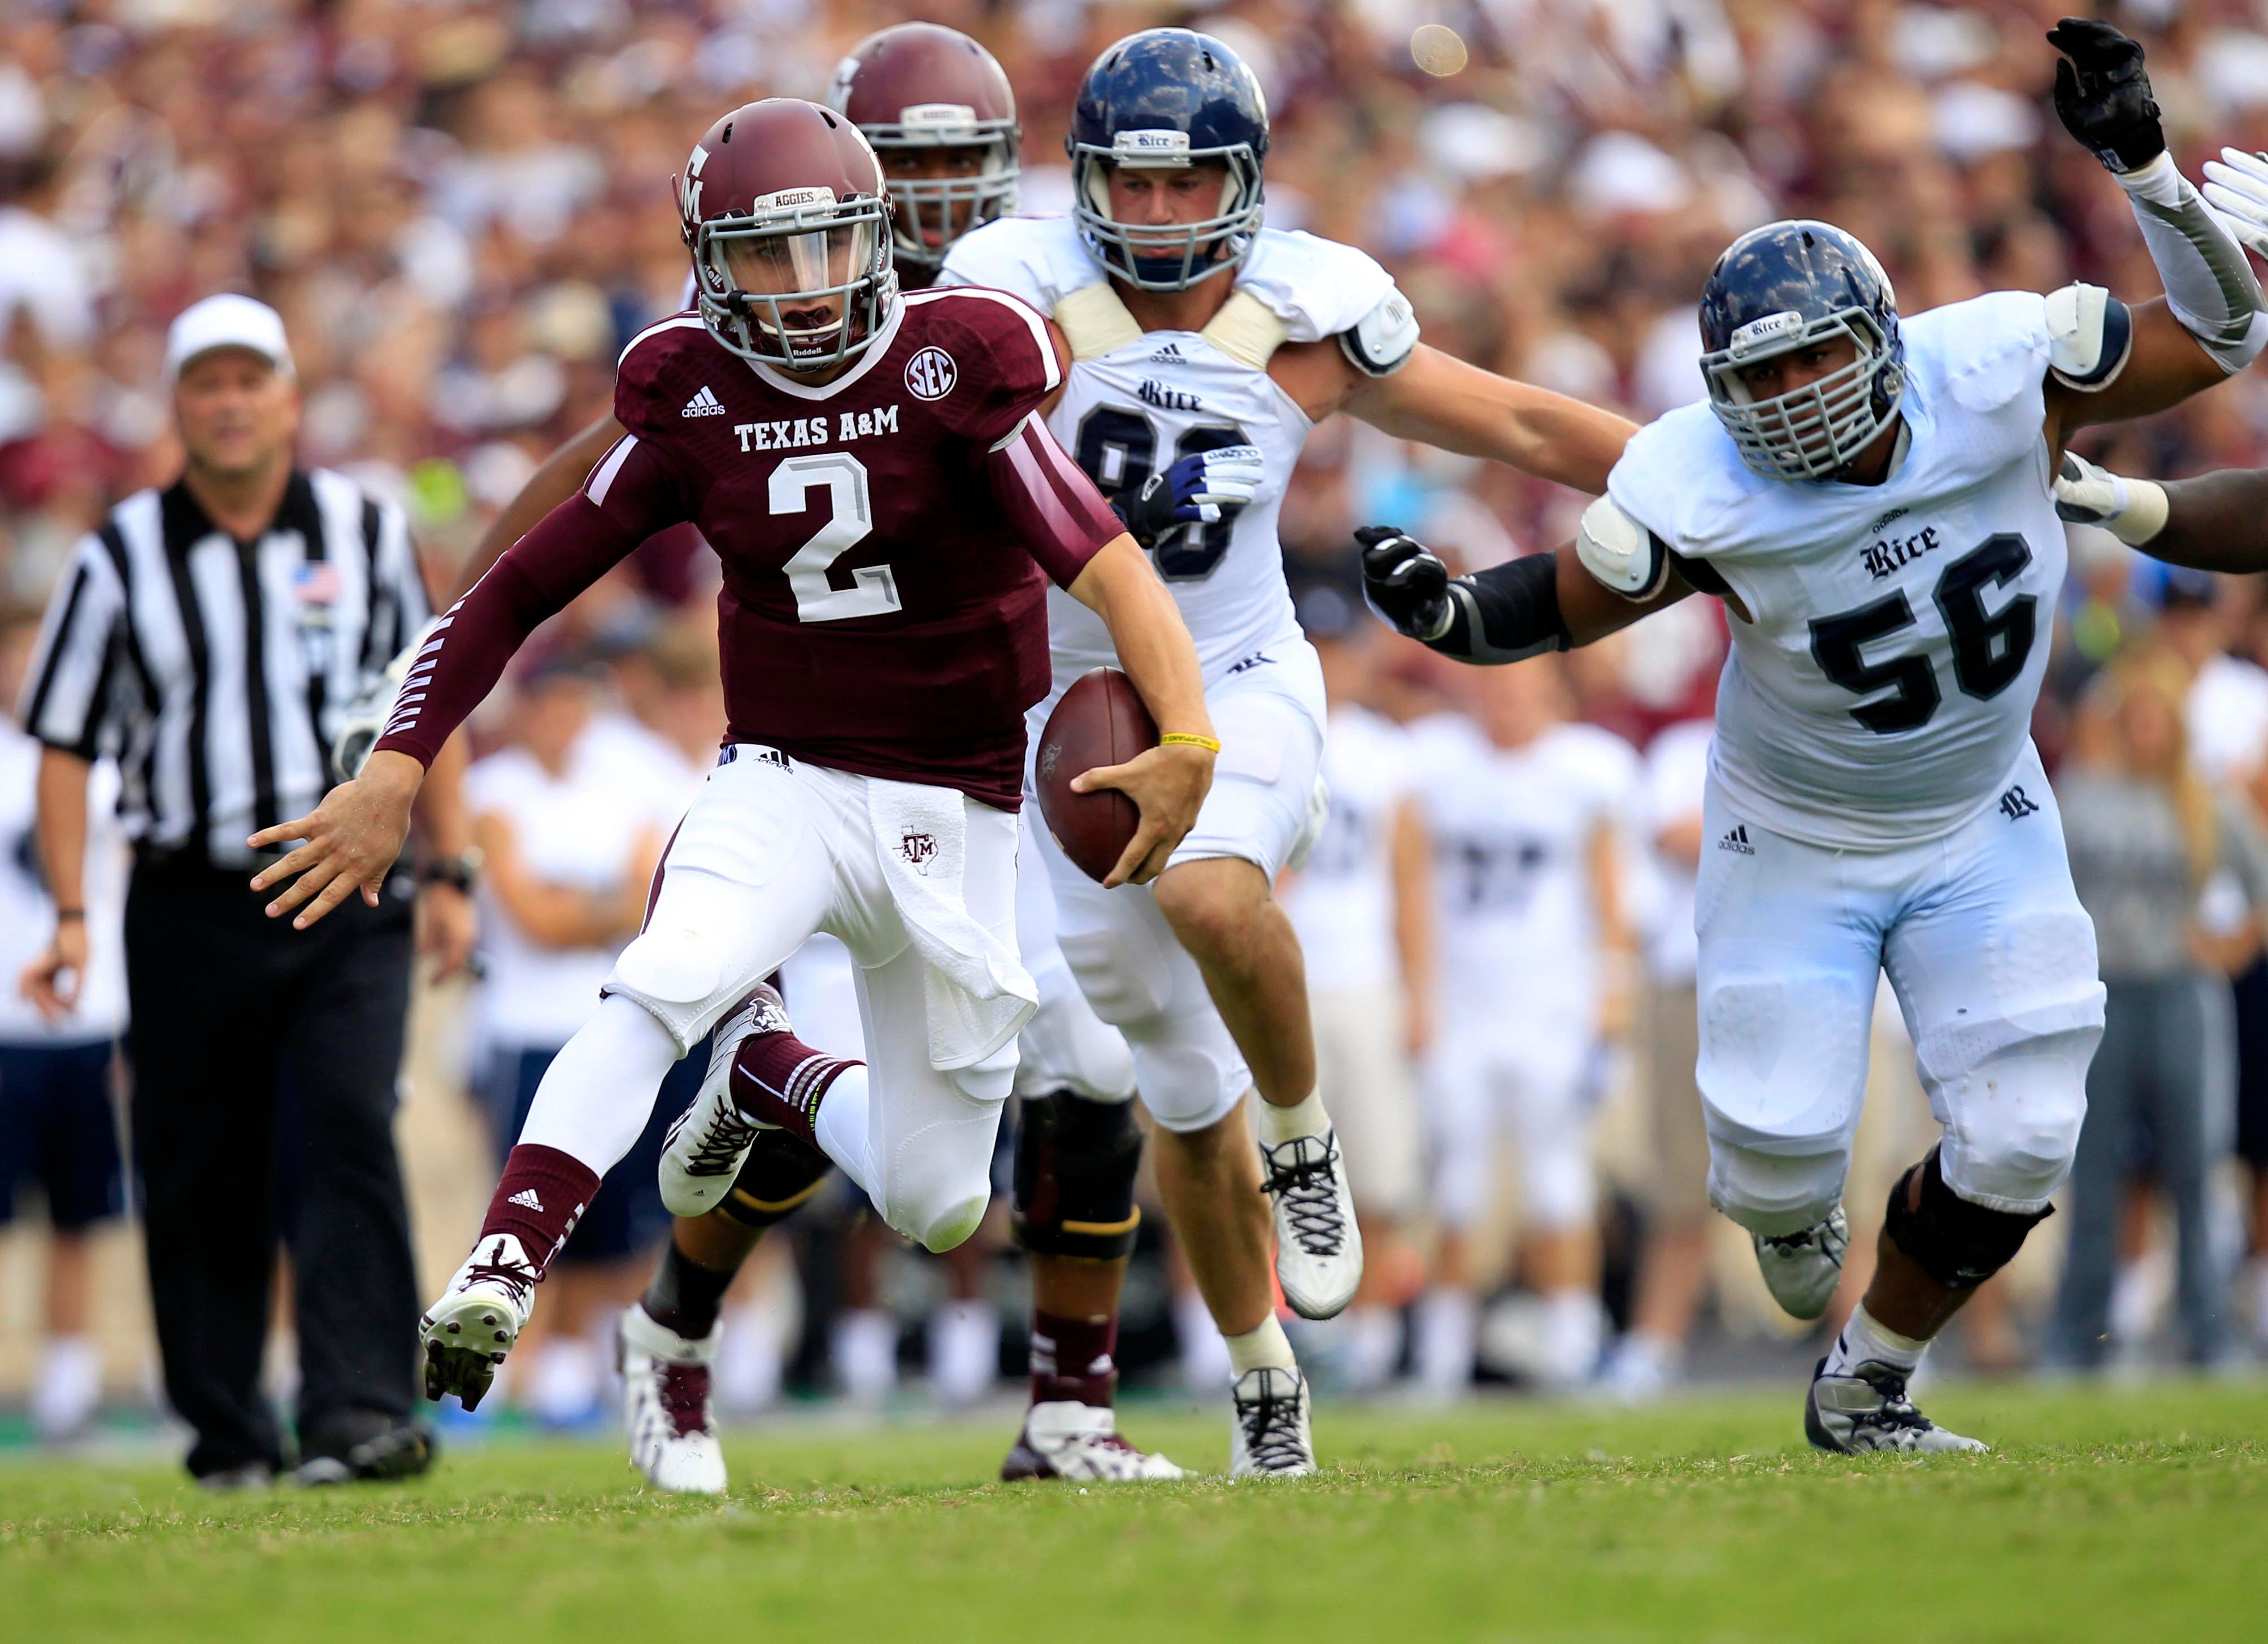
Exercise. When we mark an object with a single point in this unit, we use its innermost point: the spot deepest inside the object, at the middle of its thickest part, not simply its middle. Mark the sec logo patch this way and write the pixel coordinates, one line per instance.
(931, 374)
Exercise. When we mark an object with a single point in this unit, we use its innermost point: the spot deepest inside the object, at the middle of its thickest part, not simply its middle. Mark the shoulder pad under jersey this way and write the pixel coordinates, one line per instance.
(1623, 554)
(1317, 287)
(2089, 336)
(1039, 259)
(1381, 341)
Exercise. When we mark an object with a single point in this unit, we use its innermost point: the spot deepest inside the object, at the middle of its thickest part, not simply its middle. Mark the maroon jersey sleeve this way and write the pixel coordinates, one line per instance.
(630, 496)
(998, 363)
(1053, 505)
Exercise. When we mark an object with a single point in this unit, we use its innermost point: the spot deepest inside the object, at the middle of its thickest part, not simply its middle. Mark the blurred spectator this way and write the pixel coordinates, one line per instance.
(2147, 834)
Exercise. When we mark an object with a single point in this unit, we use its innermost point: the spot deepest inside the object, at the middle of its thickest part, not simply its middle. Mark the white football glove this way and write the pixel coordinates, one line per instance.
(363, 721)
(2088, 494)
(2236, 186)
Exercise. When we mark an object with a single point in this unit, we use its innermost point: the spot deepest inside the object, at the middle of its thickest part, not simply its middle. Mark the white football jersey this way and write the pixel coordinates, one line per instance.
(1512, 830)
(1341, 900)
(1880, 693)
(1141, 408)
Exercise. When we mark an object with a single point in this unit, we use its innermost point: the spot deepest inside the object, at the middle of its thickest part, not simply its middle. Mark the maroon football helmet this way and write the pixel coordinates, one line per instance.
(786, 214)
(923, 87)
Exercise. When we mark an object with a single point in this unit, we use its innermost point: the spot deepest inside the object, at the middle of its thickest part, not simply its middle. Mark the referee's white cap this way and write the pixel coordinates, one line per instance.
(226, 321)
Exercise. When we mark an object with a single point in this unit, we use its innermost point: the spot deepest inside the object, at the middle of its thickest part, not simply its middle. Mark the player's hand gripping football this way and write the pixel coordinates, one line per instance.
(1194, 491)
(1404, 581)
(2103, 94)
(1167, 784)
(347, 844)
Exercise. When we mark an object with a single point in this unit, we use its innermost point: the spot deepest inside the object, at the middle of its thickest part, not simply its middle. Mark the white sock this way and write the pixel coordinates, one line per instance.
(600, 1090)
(840, 1128)
(864, 1345)
(279, 1370)
(1372, 1350)
(1572, 1325)
(1661, 1355)
(1863, 1339)
(70, 1386)
(1449, 1337)
(2136, 1298)
(1204, 1355)
(565, 1384)
(964, 1351)
(1264, 1347)
(751, 1356)
(1280, 1124)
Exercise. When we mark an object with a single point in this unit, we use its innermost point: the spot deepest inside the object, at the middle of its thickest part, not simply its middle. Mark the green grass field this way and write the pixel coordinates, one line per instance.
(2107, 1514)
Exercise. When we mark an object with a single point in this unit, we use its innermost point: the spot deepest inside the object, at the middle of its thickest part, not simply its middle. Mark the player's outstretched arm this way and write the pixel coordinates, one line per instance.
(1438, 399)
(558, 477)
(1508, 612)
(2216, 522)
(1169, 782)
(2212, 321)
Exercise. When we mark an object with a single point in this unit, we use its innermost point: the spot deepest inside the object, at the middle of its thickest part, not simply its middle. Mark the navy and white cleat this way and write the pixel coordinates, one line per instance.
(1869, 1410)
(1318, 1247)
(1269, 1435)
(1801, 1269)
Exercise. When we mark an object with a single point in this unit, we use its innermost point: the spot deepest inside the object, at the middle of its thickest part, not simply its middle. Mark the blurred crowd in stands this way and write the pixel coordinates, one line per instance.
(462, 209)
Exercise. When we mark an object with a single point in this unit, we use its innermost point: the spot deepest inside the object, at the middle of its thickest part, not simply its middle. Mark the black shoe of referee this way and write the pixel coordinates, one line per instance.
(394, 1452)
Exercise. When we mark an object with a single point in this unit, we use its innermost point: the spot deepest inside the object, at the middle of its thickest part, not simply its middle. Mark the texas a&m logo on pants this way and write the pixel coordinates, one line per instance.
(931, 373)
(918, 849)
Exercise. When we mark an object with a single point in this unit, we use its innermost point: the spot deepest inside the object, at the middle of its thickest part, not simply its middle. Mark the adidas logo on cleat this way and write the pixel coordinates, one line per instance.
(525, 1199)
(1736, 840)
(704, 404)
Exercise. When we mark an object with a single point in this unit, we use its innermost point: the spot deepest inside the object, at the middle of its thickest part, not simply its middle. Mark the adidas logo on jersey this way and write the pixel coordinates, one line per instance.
(1170, 354)
(1736, 840)
(525, 1199)
(704, 404)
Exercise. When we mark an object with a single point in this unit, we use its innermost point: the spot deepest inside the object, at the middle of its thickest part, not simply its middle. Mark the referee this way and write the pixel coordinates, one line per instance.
(210, 635)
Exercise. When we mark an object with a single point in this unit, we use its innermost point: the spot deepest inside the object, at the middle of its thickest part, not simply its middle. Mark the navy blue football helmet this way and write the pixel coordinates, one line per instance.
(1168, 98)
(1784, 287)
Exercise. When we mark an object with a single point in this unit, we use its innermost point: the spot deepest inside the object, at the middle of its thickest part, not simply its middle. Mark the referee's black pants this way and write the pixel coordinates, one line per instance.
(231, 1009)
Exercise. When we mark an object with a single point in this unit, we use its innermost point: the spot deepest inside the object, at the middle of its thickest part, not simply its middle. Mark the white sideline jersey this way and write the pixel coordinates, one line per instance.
(1341, 899)
(1881, 692)
(1512, 830)
(1141, 408)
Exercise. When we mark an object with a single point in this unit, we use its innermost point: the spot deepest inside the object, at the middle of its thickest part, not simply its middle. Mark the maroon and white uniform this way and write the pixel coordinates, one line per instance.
(886, 538)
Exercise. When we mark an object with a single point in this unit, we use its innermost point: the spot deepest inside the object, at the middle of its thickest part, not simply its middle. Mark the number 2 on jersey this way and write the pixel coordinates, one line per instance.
(873, 589)
(1989, 648)
(1118, 448)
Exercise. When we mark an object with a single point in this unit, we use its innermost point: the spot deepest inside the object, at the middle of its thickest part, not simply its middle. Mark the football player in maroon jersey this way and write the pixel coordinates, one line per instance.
(873, 473)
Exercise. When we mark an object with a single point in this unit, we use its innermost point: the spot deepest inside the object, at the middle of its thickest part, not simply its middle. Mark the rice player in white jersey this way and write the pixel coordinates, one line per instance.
(1523, 808)
(1873, 503)
(1204, 348)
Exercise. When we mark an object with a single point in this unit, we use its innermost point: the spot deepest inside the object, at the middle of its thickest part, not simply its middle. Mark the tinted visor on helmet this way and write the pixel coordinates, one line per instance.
(1171, 256)
(933, 211)
(805, 286)
(1814, 431)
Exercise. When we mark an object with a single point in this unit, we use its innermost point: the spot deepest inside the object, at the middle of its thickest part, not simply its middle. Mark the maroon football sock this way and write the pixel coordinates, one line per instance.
(778, 1079)
(543, 1195)
(1071, 1358)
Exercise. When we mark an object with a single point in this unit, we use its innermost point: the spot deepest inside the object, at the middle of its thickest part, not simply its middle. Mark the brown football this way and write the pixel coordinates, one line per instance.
(1100, 721)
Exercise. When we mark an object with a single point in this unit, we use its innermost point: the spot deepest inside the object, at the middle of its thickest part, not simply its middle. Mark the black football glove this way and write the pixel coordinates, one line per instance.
(2103, 94)
(1405, 582)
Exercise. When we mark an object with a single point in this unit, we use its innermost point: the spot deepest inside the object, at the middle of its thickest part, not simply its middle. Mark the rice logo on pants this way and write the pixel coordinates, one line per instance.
(931, 373)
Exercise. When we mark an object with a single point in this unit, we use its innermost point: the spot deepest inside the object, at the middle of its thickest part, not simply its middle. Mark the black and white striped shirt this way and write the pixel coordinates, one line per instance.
(216, 670)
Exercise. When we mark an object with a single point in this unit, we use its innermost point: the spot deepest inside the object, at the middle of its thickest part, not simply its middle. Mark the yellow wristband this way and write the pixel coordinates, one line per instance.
(1188, 739)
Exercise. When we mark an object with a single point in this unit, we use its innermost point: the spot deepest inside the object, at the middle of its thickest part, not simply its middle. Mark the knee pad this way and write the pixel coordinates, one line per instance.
(781, 1175)
(683, 977)
(1958, 1243)
(1075, 1165)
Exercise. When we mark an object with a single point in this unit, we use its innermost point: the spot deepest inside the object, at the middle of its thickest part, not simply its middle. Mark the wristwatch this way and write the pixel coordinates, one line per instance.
(460, 872)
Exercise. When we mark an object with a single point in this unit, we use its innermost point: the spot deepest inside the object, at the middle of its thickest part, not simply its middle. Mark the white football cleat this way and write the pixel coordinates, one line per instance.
(665, 1405)
(1803, 1269)
(1869, 1410)
(1318, 1247)
(467, 1333)
(709, 1141)
(1268, 1436)
(1065, 1439)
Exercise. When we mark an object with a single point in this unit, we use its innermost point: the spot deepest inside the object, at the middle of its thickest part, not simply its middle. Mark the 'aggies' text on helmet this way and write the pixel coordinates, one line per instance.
(939, 111)
(1788, 286)
(786, 214)
(1168, 98)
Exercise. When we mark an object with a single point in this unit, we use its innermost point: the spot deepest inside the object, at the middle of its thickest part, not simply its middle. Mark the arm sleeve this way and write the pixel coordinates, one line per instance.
(1506, 613)
(68, 690)
(630, 496)
(1053, 506)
